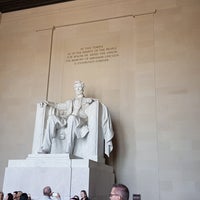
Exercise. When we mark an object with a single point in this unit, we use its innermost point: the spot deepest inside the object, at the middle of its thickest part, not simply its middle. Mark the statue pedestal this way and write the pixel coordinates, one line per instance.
(64, 175)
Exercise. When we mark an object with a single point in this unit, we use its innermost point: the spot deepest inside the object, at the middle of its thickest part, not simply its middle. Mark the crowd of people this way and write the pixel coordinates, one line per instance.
(118, 192)
(16, 195)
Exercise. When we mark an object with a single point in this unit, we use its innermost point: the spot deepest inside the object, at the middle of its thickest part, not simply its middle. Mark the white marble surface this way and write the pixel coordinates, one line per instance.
(80, 126)
(66, 176)
(42, 160)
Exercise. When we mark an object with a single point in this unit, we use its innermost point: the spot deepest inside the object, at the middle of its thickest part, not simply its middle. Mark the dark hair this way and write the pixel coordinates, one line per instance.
(23, 196)
(75, 197)
(84, 192)
(10, 196)
(123, 190)
(2, 195)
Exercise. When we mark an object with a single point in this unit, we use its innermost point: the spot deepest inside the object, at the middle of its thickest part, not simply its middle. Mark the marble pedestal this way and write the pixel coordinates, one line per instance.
(63, 174)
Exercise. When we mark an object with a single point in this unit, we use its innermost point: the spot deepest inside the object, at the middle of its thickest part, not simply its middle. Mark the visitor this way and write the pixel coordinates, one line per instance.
(83, 195)
(119, 191)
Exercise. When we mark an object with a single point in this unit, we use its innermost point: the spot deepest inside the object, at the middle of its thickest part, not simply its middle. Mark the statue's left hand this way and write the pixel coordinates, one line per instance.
(89, 100)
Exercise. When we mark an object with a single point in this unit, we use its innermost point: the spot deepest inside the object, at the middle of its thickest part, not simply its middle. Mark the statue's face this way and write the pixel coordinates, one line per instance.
(78, 89)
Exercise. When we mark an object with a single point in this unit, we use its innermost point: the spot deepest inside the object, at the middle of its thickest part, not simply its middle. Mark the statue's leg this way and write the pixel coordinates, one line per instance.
(72, 124)
(82, 129)
(50, 132)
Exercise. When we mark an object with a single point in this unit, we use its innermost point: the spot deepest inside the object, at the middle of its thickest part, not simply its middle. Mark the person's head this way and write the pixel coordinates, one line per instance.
(18, 194)
(79, 88)
(15, 194)
(119, 192)
(9, 196)
(75, 197)
(1, 195)
(83, 194)
(23, 196)
(47, 191)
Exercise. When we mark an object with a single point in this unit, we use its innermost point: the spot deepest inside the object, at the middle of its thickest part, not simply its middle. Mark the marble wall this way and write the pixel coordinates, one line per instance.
(140, 58)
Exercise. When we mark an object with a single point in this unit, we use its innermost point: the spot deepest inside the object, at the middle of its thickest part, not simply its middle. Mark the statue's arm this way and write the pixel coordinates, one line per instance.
(48, 103)
(88, 101)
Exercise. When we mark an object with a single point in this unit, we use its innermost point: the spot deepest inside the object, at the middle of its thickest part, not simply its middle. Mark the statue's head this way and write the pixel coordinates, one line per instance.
(79, 87)
(79, 84)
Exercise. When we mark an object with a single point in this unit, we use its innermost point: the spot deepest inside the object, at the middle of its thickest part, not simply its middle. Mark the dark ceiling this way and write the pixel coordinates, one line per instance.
(14, 5)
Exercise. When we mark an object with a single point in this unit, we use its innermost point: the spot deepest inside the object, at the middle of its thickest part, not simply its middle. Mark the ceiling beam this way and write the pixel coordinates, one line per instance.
(14, 5)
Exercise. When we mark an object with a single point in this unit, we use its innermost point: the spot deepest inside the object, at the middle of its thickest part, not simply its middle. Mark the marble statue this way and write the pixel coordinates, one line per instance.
(80, 126)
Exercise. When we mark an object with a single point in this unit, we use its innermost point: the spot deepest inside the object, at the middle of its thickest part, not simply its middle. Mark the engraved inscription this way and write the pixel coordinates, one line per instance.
(92, 54)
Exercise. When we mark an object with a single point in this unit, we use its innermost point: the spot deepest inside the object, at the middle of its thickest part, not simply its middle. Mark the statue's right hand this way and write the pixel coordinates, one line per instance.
(44, 103)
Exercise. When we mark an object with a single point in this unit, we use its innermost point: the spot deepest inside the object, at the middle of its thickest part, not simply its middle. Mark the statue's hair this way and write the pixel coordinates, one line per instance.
(79, 83)
(123, 190)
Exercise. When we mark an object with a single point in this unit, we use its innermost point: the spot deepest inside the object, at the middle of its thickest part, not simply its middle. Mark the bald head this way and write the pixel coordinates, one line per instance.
(47, 191)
